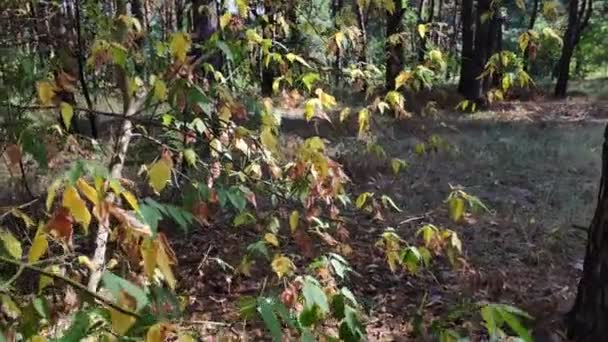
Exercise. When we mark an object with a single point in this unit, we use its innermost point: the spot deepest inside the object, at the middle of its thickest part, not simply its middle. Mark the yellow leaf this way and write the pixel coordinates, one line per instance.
(46, 92)
(160, 174)
(20, 214)
(131, 199)
(344, 114)
(225, 20)
(148, 253)
(156, 333)
(160, 90)
(67, 112)
(11, 244)
(89, 192)
(309, 109)
(84, 260)
(9, 307)
(77, 207)
(402, 79)
(164, 264)
(422, 30)
(51, 192)
(397, 164)
(180, 44)
(38, 338)
(121, 322)
(39, 246)
(271, 239)
(363, 121)
(46, 281)
(294, 218)
(269, 140)
(282, 265)
(456, 208)
(339, 39)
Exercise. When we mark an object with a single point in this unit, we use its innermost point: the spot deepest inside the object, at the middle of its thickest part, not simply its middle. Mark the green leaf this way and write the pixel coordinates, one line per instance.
(243, 218)
(270, 318)
(237, 198)
(387, 201)
(309, 79)
(309, 316)
(314, 295)
(247, 306)
(515, 324)
(190, 156)
(355, 329)
(33, 145)
(116, 284)
(150, 216)
(11, 245)
(487, 313)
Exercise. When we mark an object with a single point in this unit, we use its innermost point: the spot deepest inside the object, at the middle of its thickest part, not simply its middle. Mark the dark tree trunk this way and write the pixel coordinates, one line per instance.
(336, 7)
(578, 18)
(394, 58)
(362, 23)
(467, 76)
(494, 46)
(588, 320)
(268, 72)
(205, 25)
(81, 72)
(533, 17)
(138, 11)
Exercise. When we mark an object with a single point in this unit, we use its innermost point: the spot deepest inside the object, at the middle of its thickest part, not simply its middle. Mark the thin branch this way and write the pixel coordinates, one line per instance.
(70, 282)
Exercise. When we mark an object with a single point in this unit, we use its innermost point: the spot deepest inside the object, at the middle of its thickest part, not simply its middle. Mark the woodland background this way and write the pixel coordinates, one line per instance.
(315, 170)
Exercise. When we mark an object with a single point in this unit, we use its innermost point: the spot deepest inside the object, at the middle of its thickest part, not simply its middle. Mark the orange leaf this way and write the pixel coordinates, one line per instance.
(304, 243)
(61, 225)
(200, 210)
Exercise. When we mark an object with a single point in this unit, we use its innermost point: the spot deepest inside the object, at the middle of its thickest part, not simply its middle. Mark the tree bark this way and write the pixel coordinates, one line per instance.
(588, 319)
(336, 7)
(467, 76)
(362, 23)
(578, 18)
(394, 58)
(533, 17)
(81, 72)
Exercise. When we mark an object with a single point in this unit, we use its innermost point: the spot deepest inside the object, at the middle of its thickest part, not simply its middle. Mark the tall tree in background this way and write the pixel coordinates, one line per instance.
(467, 77)
(395, 46)
(336, 7)
(362, 8)
(579, 13)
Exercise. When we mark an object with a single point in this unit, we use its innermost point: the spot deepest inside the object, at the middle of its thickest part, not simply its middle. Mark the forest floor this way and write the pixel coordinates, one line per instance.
(535, 164)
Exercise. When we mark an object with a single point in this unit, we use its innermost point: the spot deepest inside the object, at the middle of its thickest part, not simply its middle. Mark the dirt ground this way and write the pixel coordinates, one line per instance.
(534, 164)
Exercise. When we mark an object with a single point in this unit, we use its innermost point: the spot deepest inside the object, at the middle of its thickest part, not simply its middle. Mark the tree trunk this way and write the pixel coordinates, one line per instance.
(480, 54)
(394, 58)
(578, 18)
(268, 72)
(588, 319)
(467, 77)
(533, 17)
(362, 23)
(336, 7)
